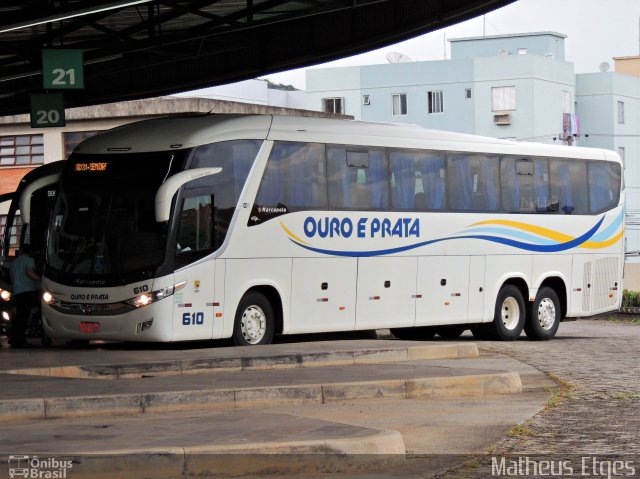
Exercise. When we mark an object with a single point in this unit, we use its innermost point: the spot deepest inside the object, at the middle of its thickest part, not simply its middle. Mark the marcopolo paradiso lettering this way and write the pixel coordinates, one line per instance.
(332, 227)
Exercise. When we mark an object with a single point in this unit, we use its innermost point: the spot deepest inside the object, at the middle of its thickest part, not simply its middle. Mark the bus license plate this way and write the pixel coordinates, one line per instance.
(89, 327)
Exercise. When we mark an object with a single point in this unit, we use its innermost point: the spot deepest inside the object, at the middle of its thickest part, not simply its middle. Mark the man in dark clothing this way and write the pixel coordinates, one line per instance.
(25, 284)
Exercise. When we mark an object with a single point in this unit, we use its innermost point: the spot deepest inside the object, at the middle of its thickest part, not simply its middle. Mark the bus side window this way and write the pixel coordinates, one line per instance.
(473, 182)
(295, 177)
(195, 226)
(355, 182)
(568, 180)
(604, 186)
(418, 180)
(525, 185)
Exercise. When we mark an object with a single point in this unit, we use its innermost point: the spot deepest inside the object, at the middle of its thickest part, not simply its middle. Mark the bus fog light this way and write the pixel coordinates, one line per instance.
(5, 295)
(6, 316)
(143, 326)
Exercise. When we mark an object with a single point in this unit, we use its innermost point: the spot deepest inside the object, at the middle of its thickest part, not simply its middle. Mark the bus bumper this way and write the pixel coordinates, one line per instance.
(143, 324)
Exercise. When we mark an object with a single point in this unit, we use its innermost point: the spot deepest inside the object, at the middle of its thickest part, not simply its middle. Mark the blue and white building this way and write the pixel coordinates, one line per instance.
(507, 86)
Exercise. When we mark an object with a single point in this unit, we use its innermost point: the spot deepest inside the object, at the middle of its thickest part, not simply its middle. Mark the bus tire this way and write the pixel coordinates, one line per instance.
(481, 331)
(544, 318)
(452, 331)
(509, 314)
(415, 334)
(255, 320)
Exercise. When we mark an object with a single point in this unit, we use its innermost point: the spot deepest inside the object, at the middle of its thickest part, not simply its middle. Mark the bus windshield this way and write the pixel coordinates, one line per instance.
(103, 227)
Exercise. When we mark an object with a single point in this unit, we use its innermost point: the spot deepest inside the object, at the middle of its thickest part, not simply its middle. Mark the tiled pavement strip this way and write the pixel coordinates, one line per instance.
(598, 410)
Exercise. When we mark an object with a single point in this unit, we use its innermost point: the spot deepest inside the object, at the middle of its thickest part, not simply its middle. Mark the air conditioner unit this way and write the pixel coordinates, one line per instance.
(502, 118)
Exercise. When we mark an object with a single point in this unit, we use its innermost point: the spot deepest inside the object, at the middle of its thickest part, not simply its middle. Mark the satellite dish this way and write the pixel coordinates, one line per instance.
(397, 57)
(503, 52)
(604, 67)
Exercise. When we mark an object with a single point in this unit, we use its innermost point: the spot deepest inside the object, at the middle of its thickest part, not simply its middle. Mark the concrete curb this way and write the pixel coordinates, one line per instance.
(131, 404)
(284, 458)
(242, 363)
(629, 310)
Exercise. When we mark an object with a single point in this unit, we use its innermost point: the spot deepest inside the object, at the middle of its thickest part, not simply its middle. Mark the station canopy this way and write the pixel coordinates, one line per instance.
(144, 48)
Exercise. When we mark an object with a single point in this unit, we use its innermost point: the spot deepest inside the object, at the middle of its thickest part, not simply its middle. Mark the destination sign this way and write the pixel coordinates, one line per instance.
(93, 166)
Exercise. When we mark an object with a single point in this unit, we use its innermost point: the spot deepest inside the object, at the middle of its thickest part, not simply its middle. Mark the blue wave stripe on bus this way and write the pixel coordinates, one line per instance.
(553, 248)
(610, 230)
(513, 233)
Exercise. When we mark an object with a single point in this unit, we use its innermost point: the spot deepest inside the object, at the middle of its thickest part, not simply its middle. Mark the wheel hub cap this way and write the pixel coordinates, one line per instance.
(254, 324)
(546, 314)
(510, 313)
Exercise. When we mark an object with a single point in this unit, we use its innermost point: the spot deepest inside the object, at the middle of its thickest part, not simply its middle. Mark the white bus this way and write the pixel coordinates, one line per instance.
(249, 226)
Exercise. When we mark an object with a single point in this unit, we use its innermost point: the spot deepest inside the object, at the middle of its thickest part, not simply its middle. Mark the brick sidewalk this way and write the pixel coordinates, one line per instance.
(600, 411)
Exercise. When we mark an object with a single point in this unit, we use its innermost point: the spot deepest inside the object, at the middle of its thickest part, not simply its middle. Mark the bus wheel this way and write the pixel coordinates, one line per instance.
(416, 334)
(482, 331)
(509, 315)
(255, 320)
(451, 332)
(544, 318)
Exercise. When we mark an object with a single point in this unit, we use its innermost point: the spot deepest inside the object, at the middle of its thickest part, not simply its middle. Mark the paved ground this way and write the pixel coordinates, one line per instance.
(362, 400)
(595, 413)
(598, 413)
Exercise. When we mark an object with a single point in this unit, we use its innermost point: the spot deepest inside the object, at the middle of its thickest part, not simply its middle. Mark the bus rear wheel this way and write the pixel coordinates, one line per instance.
(509, 314)
(416, 334)
(544, 317)
(255, 320)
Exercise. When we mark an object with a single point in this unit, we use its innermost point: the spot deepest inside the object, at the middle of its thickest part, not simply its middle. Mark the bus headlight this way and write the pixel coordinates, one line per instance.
(48, 298)
(145, 299)
(6, 316)
(140, 301)
(5, 295)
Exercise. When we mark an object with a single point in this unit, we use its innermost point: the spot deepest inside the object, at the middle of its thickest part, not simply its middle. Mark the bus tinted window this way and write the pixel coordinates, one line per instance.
(295, 177)
(195, 227)
(568, 181)
(356, 183)
(525, 185)
(235, 158)
(417, 180)
(604, 186)
(473, 182)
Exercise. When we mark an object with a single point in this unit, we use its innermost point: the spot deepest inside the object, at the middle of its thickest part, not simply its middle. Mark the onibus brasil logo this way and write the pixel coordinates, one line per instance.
(35, 468)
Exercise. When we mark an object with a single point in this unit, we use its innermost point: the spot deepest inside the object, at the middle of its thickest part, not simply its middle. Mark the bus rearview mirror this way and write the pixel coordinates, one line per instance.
(165, 193)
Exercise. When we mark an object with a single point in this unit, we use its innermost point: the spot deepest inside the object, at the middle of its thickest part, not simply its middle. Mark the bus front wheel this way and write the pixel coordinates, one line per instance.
(451, 331)
(254, 321)
(544, 317)
(509, 315)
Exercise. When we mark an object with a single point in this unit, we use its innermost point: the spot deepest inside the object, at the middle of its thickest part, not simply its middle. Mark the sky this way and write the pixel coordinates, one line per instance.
(597, 31)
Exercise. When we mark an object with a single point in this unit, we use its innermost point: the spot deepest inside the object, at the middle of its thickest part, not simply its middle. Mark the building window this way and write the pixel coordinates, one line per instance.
(566, 101)
(366, 100)
(467, 93)
(399, 104)
(71, 140)
(503, 98)
(333, 105)
(620, 112)
(21, 150)
(435, 102)
(621, 153)
(522, 51)
(15, 233)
